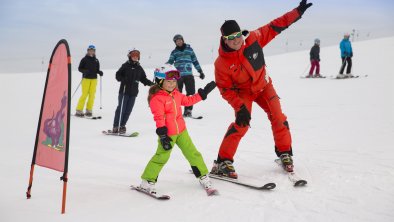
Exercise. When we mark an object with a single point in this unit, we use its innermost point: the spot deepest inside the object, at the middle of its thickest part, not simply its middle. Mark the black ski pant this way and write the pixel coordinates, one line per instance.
(347, 60)
(128, 104)
(190, 86)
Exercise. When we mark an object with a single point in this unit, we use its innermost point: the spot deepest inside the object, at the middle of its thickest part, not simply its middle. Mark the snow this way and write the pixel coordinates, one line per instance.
(342, 131)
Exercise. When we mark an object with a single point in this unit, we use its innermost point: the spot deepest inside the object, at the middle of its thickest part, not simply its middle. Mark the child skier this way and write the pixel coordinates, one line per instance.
(128, 75)
(165, 102)
(89, 67)
(315, 60)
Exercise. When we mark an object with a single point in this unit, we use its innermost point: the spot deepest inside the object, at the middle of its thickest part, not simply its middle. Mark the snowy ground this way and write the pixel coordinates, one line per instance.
(342, 131)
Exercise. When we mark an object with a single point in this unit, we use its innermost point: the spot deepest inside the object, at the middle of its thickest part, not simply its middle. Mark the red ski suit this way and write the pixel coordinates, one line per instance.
(242, 79)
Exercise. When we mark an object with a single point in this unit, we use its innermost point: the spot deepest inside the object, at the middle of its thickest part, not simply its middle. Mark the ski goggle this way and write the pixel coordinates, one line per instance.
(170, 75)
(233, 36)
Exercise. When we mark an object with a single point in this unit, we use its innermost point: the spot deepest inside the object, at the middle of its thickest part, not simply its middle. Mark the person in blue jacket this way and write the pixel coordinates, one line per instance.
(346, 55)
(183, 58)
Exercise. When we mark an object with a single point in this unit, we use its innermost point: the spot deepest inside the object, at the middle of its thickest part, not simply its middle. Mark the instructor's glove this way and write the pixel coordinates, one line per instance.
(303, 7)
(207, 89)
(100, 73)
(243, 117)
(165, 140)
(202, 75)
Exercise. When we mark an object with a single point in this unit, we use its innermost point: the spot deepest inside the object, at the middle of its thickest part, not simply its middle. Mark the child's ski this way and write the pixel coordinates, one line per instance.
(293, 177)
(89, 117)
(110, 133)
(267, 186)
(156, 196)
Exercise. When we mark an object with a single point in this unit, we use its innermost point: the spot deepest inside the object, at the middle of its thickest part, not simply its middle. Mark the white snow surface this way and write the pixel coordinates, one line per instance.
(342, 139)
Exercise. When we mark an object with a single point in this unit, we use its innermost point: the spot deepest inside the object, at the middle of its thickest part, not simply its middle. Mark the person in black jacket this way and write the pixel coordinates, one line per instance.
(89, 67)
(315, 60)
(129, 76)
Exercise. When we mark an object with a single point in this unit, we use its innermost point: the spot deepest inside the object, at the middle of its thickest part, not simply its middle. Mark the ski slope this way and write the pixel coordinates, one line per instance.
(342, 138)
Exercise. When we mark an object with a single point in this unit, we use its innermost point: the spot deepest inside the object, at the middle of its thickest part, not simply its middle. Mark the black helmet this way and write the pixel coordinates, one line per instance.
(177, 36)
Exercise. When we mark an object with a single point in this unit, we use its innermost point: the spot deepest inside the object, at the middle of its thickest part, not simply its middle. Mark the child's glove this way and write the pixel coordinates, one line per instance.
(207, 89)
(100, 73)
(165, 140)
(202, 75)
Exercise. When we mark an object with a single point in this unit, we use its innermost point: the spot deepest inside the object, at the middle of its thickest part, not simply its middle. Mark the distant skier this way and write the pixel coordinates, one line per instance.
(183, 57)
(165, 102)
(89, 67)
(242, 79)
(129, 75)
(346, 56)
(315, 60)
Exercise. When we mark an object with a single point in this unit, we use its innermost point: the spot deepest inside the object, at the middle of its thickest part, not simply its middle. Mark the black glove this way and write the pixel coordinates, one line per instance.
(243, 117)
(202, 75)
(150, 83)
(303, 6)
(100, 73)
(207, 89)
(165, 140)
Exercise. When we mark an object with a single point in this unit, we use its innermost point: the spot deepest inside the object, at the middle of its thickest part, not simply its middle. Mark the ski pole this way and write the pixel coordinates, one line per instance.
(76, 89)
(101, 92)
(121, 109)
(303, 73)
(343, 64)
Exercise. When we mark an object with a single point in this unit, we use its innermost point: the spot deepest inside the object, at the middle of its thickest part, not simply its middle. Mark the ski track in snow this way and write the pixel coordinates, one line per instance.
(341, 130)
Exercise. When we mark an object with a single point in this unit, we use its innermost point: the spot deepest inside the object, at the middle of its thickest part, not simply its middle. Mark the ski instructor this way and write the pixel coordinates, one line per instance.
(241, 77)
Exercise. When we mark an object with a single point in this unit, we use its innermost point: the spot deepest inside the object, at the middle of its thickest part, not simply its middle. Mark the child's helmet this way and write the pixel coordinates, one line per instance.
(91, 47)
(134, 52)
(317, 41)
(166, 72)
(177, 36)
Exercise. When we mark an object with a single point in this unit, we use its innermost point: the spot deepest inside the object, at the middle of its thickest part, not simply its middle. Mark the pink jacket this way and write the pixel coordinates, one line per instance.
(166, 109)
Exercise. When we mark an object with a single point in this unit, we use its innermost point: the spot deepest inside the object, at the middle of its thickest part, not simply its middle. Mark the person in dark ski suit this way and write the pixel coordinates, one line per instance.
(183, 58)
(129, 75)
(315, 60)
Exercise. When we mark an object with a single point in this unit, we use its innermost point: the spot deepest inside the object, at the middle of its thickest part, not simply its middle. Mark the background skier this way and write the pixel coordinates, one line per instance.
(183, 57)
(346, 56)
(129, 75)
(315, 60)
(89, 67)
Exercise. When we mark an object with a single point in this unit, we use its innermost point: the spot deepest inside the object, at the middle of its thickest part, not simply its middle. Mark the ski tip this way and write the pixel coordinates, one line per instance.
(212, 192)
(300, 183)
(268, 186)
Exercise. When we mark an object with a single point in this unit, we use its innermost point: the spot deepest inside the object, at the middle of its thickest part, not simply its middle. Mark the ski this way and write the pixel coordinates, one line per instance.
(354, 77)
(110, 133)
(293, 177)
(193, 117)
(267, 186)
(89, 117)
(212, 191)
(306, 77)
(156, 196)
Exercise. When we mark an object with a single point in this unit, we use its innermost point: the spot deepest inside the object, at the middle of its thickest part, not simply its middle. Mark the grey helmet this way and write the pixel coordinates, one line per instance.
(177, 36)
(317, 41)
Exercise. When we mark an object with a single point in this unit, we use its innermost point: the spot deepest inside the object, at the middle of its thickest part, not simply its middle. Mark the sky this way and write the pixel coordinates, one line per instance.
(29, 30)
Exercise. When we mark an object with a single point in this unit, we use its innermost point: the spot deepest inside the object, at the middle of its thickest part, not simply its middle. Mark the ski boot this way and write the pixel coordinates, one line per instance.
(309, 76)
(122, 130)
(349, 75)
(341, 76)
(88, 113)
(115, 129)
(318, 76)
(205, 182)
(224, 168)
(148, 186)
(79, 113)
(287, 162)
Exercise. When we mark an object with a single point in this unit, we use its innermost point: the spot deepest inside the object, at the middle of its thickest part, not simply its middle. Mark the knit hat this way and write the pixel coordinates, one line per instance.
(229, 27)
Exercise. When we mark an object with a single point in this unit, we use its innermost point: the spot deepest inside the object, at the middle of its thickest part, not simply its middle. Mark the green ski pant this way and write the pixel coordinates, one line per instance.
(184, 142)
